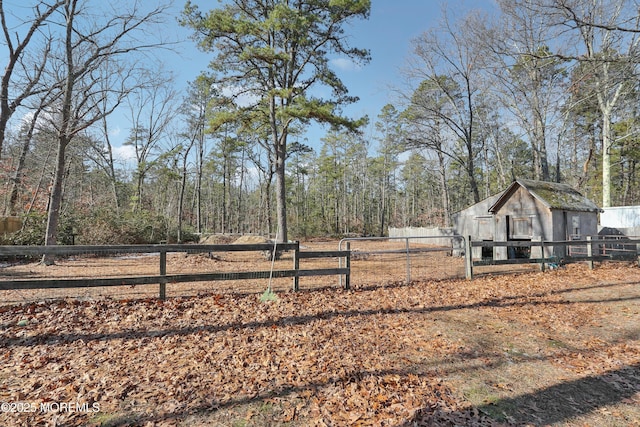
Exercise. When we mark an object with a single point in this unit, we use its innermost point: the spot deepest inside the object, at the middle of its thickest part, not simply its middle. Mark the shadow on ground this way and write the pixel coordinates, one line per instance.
(548, 406)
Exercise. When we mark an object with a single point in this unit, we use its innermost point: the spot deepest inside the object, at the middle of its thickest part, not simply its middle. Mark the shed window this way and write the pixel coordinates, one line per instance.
(575, 226)
(521, 228)
(484, 228)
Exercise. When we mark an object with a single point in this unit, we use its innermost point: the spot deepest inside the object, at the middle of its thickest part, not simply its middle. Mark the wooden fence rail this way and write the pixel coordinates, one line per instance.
(588, 250)
(162, 279)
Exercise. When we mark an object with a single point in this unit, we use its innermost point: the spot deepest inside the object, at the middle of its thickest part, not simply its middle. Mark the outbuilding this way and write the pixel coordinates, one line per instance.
(529, 210)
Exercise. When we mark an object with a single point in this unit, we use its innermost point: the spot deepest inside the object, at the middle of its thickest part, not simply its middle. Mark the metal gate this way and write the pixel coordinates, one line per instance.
(380, 260)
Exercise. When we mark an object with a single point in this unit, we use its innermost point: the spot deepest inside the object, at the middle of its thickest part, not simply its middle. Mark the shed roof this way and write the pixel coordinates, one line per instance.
(485, 203)
(551, 194)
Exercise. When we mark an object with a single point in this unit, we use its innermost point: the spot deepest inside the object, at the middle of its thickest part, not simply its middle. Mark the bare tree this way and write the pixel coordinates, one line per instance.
(102, 152)
(18, 85)
(528, 78)
(426, 131)
(30, 128)
(92, 47)
(606, 35)
(446, 57)
(152, 108)
(607, 48)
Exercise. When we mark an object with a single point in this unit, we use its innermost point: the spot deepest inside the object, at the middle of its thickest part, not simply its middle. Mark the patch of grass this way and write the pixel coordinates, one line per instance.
(266, 407)
(257, 414)
(498, 410)
(511, 351)
(481, 395)
(557, 344)
(484, 396)
(269, 295)
(111, 420)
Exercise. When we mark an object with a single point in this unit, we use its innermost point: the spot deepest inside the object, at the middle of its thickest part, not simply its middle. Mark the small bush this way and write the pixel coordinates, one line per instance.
(188, 236)
(129, 228)
(99, 227)
(34, 227)
(32, 231)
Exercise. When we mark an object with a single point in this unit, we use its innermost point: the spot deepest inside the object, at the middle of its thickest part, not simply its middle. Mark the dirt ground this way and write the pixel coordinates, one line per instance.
(555, 348)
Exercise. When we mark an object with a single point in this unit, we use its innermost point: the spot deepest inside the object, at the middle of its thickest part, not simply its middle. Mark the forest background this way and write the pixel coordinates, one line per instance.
(540, 89)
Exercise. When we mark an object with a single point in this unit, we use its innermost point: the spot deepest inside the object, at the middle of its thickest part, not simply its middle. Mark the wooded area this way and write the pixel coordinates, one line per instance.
(542, 90)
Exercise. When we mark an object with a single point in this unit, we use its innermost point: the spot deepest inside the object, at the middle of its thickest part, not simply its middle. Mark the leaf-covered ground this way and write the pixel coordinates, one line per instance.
(560, 347)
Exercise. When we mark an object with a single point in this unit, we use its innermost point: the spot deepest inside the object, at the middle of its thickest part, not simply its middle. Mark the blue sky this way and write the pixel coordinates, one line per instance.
(387, 34)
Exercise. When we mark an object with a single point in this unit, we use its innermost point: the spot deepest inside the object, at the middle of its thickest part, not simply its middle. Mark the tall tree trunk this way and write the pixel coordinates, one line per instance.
(606, 158)
(183, 186)
(444, 188)
(198, 189)
(267, 214)
(224, 197)
(16, 179)
(471, 173)
(139, 183)
(541, 163)
(64, 136)
(55, 200)
(239, 217)
(281, 195)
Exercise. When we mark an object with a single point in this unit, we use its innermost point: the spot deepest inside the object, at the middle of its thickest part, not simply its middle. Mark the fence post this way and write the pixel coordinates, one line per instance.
(542, 262)
(296, 267)
(468, 258)
(340, 263)
(163, 272)
(347, 277)
(408, 261)
(590, 252)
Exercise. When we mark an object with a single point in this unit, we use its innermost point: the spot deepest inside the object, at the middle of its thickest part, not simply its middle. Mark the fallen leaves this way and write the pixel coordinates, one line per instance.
(375, 356)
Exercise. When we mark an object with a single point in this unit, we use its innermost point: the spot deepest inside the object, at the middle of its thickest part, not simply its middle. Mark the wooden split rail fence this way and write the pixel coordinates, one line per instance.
(588, 250)
(162, 279)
